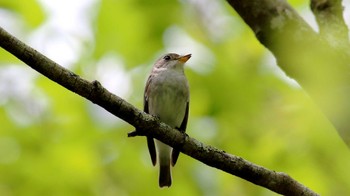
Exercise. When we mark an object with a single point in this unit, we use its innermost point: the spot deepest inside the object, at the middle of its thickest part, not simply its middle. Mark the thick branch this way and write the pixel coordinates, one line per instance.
(321, 69)
(93, 91)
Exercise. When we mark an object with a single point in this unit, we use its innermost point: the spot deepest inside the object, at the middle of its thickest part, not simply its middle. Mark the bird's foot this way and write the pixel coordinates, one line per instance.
(135, 133)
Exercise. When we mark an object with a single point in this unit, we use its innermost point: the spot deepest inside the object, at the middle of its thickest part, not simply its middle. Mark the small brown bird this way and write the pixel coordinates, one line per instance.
(167, 97)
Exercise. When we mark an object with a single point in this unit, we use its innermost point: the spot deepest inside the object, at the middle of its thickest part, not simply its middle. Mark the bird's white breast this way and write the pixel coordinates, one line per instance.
(168, 96)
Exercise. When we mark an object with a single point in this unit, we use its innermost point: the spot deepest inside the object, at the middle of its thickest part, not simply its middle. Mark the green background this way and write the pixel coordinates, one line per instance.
(53, 142)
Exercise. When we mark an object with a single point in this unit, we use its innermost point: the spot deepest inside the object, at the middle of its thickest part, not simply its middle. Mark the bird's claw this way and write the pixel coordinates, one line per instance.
(135, 133)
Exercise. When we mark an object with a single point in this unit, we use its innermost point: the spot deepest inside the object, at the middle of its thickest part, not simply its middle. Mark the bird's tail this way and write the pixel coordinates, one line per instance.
(164, 175)
(164, 164)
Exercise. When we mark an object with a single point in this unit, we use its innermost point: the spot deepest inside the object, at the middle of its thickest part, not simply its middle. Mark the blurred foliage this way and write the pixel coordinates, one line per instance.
(25, 9)
(53, 142)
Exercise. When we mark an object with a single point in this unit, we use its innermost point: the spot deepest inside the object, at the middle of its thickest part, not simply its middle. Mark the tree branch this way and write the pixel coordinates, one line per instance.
(321, 69)
(93, 91)
(329, 16)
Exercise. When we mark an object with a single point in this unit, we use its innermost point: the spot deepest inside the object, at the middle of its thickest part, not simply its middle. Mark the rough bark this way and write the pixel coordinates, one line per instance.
(93, 91)
(320, 67)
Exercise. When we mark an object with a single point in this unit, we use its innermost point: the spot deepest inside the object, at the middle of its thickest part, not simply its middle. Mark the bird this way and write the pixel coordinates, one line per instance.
(166, 97)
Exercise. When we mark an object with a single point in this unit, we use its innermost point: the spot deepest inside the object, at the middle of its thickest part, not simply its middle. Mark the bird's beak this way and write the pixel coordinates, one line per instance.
(184, 58)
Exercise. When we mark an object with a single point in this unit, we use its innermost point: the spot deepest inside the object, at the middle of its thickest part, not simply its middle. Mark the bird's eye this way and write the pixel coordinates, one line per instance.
(166, 57)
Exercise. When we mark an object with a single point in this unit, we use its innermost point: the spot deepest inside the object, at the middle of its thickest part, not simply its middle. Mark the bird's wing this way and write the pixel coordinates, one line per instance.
(182, 128)
(150, 140)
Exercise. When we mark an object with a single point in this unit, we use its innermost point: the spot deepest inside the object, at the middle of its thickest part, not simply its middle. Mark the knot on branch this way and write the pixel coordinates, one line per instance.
(96, 84)
(95, 89)
(320, 5)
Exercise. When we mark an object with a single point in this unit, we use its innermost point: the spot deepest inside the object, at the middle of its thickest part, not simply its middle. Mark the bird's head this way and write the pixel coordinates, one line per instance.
(171, 61)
